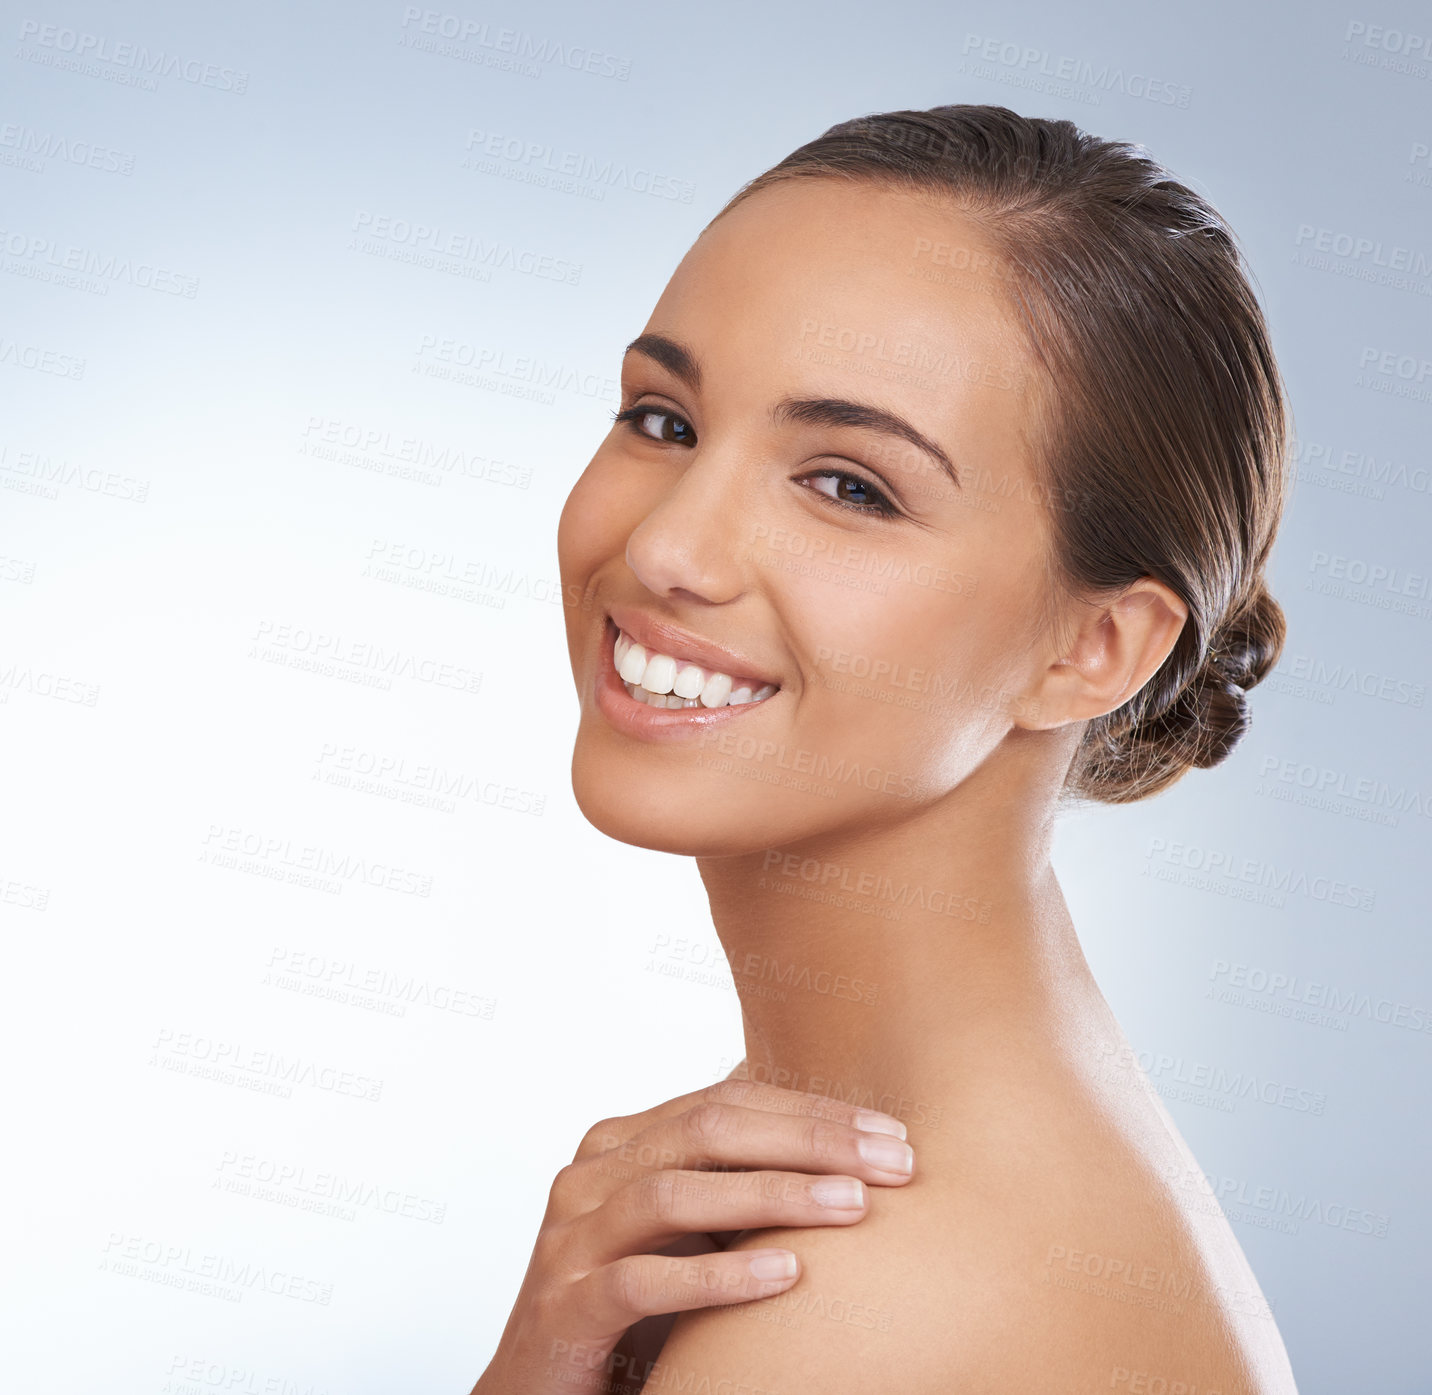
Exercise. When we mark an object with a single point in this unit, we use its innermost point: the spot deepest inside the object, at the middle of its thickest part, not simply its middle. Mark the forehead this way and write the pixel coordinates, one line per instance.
(821, 286)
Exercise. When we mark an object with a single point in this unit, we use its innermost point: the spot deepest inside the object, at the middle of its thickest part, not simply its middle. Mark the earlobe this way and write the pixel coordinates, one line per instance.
(1115, 649)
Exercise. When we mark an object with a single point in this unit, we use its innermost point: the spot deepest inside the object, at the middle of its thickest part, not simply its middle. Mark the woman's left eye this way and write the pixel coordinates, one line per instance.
(854, 492)
(634, 416)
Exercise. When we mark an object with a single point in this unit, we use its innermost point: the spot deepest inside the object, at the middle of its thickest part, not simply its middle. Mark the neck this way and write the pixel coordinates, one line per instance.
(904, 962)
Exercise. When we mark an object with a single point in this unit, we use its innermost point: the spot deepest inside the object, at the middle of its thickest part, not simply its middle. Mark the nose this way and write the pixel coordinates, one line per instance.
(690, 542)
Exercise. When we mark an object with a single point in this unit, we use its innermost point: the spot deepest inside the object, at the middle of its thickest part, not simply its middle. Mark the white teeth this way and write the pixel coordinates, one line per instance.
(689, 682)
(659, 699)
(716, 691)
(660, 674)
(633, 664)
(660, 680)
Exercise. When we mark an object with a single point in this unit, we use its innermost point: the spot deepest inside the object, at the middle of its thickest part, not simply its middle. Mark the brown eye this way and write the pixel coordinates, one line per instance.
(636, 417)
(855, 492)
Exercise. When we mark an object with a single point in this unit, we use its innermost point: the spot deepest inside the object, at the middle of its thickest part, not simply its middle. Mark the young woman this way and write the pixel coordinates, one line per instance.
(940, 496)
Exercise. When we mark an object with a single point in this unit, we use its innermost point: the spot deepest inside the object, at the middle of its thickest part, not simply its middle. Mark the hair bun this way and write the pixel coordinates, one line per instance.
(1245, 647)
(1218, 706)
(1129, 758)
(1243, 652)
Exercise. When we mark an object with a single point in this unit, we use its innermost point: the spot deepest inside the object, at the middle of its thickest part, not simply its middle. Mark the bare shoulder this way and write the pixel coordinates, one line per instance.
(1033, 1253)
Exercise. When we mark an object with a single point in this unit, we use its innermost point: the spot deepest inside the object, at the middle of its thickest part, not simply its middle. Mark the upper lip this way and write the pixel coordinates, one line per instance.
(662, 637)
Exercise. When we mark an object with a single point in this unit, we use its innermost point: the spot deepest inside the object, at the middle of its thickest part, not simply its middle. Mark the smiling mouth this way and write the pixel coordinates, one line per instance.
(668, 680)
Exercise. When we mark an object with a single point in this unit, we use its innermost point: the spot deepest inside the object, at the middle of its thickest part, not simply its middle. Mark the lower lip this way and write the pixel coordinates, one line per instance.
(635, 718)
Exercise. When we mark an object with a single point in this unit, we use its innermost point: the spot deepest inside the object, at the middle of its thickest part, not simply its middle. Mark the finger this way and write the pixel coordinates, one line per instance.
(636, 1286)
(660, 1207)
(751, 1094)
(716, 1136)
(777, 1099)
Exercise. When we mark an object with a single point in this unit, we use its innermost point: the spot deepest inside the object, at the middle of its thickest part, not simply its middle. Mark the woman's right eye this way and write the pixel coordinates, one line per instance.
(634, 416)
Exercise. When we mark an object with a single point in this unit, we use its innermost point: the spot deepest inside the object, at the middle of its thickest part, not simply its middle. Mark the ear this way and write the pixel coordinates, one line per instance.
(1114, 649)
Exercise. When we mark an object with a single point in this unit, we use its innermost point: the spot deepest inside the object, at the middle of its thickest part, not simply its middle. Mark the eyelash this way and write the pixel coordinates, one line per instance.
(883, 508)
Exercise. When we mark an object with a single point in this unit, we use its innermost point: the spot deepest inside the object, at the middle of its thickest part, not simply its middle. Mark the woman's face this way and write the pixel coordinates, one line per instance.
(777, 510)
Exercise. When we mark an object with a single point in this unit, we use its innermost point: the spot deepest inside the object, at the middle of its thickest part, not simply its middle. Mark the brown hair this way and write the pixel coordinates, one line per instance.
(1162, 414)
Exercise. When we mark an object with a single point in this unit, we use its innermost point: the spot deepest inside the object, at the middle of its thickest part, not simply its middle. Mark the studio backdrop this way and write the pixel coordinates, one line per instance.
(310, 317)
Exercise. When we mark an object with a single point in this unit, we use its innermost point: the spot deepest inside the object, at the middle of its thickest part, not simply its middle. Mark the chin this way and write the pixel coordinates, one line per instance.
(668, 810)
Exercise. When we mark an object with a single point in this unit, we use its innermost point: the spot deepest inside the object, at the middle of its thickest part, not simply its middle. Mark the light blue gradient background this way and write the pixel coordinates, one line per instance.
(160, 602)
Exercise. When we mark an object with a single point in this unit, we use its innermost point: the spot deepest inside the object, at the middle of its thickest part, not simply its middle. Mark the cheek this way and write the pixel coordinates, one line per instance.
(884, 664)
(586, 528)
(916, 679)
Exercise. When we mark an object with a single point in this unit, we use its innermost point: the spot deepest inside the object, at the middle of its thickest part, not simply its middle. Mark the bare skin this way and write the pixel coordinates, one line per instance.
(874, 839)
(631, 1232)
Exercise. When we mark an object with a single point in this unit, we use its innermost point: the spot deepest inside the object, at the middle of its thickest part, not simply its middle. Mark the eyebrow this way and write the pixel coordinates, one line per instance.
(678, 360)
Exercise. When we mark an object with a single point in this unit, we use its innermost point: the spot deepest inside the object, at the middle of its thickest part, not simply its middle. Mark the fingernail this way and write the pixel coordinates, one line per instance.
(773, 1264)
(840, 1193)
(871, 1121)
(888, 1154)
